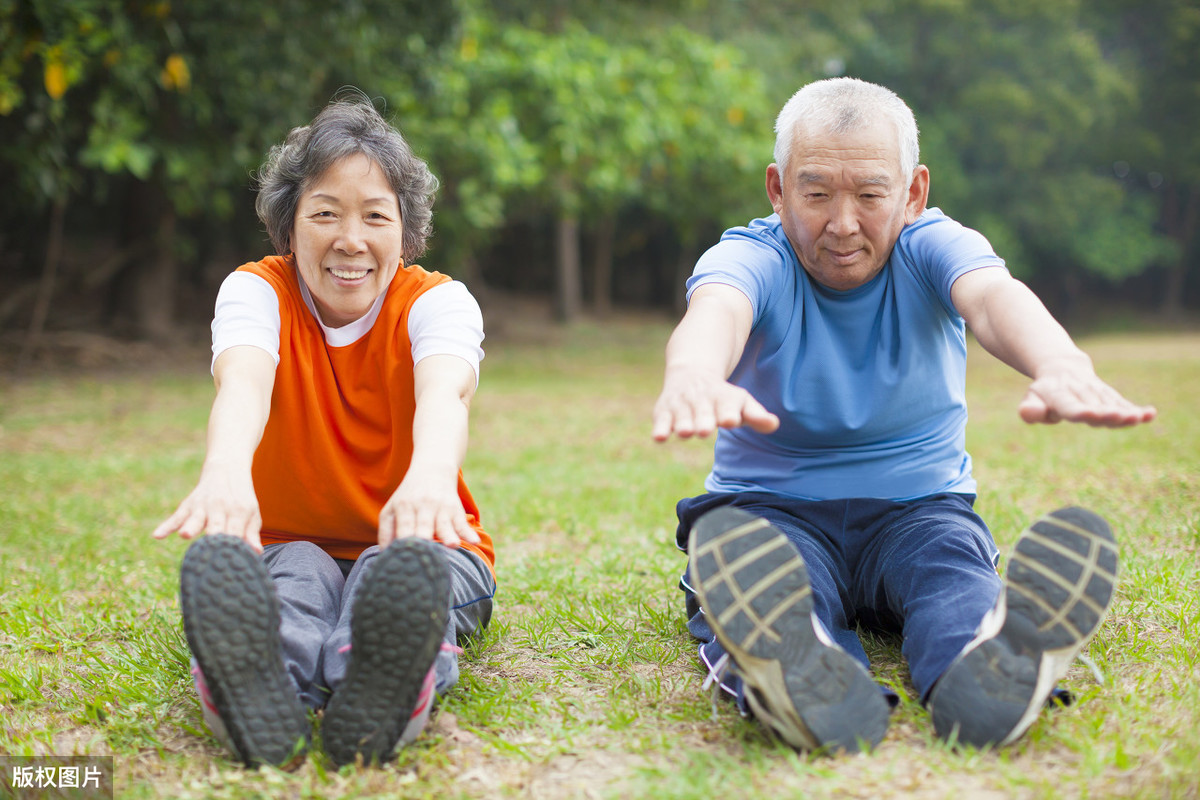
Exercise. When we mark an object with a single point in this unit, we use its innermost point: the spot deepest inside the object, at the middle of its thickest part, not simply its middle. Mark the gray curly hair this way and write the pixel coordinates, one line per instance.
(349, 125)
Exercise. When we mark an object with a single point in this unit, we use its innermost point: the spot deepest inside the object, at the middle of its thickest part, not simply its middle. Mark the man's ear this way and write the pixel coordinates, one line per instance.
(918, 195)
(775, 187)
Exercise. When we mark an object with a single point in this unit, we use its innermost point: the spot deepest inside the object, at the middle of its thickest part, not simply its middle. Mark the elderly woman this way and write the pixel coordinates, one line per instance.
(352, 559)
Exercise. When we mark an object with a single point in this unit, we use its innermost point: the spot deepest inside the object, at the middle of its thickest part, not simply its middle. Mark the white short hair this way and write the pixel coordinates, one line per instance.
(841, 105)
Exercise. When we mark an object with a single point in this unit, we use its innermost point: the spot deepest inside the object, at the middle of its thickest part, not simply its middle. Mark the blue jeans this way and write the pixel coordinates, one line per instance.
(316, 595)
(924, 568)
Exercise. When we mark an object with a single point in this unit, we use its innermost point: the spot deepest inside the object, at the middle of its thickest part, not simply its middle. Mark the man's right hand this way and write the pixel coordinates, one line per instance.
(697, 397)
(694, 402)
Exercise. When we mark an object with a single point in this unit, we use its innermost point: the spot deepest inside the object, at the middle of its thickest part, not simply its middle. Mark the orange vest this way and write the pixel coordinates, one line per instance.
(339, 437)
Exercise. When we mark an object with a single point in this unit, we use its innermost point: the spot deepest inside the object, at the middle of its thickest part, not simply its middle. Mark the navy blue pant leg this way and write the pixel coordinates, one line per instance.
(925, 568)
(809, 527)
(930, 568)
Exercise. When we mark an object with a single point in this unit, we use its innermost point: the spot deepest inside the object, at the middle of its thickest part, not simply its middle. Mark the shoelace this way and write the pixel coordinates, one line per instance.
(715, 675)
(1096, 673)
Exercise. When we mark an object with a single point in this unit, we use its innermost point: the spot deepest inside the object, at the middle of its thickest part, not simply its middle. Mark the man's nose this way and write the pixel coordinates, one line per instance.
(843, 217)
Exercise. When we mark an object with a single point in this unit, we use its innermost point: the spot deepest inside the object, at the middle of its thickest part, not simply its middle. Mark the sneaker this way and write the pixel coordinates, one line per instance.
(231, 619)
(753, 587)
(1057, 591)
(396, 629)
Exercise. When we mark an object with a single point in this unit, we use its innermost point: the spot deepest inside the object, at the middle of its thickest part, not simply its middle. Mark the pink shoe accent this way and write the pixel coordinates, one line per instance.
(202, 689)
(425, 698)
(208, 709)
(424, 706)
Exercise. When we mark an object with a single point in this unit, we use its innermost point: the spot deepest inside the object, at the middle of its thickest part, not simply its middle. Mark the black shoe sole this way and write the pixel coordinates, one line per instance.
(231, 619)
(1057, 591)
(753, 587)
(397, 623)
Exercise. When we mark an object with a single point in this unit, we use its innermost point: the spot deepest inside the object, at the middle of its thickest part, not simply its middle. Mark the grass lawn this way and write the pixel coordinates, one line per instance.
(586, 684)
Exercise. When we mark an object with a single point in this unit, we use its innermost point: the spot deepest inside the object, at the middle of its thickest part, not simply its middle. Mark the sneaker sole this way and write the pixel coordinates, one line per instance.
(231, 620)
(399, 618)
(1057, 591)
(754, 589)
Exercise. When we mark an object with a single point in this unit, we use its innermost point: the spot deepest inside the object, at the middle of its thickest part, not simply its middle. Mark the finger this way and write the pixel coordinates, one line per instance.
(169, 525)
(1033, 409)
(444, 530)
(704, 418)
(682, 421)
(253, 539)
(237, 524)
(729, 410)
(387, 527)
(464, 529)
(758, 418)
(425, 522)
(662, 424)
(193, 526)
(253, 532)
(219, 523)
(405, 522)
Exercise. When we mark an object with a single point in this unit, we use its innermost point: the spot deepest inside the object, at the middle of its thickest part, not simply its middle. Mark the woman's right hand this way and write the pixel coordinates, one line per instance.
(218, 504)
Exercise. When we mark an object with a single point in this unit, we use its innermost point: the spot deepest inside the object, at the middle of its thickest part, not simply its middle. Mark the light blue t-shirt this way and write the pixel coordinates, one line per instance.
(869, 384)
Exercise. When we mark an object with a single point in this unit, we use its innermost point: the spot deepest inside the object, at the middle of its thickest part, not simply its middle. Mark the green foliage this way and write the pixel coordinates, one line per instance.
(518, 120)
(1064, 131)
(1024, 144)
(188, 95)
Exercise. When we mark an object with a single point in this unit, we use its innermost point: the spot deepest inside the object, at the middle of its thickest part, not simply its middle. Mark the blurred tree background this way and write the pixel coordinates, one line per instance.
(589, 150)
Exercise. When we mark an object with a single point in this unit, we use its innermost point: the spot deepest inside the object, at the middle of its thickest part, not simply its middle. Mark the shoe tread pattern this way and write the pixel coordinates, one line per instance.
(231, 620)
(1058, 588)
(1062, 575)
(398, 620)
(754, 588)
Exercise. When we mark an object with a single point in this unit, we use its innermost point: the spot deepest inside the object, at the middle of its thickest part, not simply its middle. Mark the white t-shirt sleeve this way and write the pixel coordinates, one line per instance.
(247, 312)
(446, 320)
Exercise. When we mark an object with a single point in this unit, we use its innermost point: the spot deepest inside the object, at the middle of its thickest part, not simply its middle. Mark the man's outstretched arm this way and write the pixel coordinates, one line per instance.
(1011, 323)
(696, 397)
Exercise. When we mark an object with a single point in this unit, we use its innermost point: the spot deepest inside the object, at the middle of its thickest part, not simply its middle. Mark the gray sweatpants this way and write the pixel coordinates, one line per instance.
(316, 595)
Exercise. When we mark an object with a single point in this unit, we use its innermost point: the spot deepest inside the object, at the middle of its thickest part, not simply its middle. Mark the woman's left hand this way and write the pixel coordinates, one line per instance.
(426, 507)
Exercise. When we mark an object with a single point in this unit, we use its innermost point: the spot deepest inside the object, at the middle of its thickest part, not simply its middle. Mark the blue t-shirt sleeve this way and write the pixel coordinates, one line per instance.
(745, 261)
(940, 251)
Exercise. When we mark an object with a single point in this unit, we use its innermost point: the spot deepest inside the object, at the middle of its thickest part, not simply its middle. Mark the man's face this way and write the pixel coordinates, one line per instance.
(844, 201)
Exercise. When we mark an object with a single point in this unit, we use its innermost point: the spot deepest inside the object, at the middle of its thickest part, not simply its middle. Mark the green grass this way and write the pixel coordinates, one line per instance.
(586, 683)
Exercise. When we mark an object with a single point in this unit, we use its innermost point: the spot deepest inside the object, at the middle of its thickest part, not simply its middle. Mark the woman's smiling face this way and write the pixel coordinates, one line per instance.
(347, 238)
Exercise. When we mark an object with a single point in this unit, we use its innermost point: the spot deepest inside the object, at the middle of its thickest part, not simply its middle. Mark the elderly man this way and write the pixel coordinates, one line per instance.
(827, 344)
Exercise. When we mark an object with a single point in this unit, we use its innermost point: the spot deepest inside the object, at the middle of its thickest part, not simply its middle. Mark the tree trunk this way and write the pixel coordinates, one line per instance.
(1181, 217)
(569, 288)
(45, 292)
(683, 270)
(159, 274)
(472, 276)
(602, 265)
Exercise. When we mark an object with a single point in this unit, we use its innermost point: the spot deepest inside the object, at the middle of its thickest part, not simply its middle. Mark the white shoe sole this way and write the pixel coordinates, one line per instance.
(1057, 591)
(754, 589)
